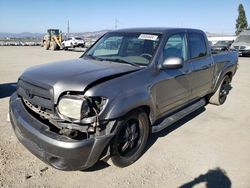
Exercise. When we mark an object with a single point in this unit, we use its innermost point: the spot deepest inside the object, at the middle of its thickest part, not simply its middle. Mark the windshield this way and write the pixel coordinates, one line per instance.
(78, 38)
(243, 38)
(130, 48)
(54, 32)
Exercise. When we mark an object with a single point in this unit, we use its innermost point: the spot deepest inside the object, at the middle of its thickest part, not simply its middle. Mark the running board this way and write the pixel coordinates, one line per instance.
(179, 115)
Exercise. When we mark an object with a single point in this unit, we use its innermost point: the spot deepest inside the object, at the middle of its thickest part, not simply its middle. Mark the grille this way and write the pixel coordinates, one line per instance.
(40, 95)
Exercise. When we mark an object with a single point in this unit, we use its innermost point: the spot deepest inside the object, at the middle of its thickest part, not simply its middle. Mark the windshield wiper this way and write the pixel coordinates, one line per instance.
(93, 57)
(113, 60)
(120, 61)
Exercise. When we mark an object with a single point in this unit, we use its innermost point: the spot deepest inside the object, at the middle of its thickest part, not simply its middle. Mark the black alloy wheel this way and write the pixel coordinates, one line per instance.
(130, 139)
(224, 90)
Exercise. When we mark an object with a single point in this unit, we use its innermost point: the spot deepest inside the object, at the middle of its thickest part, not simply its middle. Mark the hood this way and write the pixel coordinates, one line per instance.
(75, 75)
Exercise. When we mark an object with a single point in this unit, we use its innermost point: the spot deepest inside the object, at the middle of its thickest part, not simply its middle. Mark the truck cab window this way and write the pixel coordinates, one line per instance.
(176, 47)
(197, 45)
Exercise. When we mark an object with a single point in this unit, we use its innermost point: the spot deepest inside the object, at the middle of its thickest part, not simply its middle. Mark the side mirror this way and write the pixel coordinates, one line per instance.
(172, 63)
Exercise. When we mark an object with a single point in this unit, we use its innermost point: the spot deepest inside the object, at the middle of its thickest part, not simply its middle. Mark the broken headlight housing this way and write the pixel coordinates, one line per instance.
(77, 107)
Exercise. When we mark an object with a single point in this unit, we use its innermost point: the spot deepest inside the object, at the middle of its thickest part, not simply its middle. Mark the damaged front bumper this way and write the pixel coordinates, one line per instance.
(54, 149)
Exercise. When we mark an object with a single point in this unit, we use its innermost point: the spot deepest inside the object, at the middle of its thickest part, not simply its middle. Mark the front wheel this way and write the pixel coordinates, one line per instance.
(220, 96)
(130, 139)
(54, 46)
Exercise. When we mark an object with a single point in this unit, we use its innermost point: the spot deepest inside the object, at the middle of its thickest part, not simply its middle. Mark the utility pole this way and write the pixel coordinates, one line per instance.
(116, 21)
(68, 30)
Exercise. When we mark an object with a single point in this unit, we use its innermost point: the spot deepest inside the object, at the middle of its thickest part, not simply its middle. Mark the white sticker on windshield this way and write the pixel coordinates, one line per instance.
(148, 37)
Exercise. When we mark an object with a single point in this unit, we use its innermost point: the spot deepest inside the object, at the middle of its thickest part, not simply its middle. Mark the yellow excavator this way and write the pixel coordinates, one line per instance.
(52, 40)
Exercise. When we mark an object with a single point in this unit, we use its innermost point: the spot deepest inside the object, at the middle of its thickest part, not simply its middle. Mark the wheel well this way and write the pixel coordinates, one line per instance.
(146, 109)
(230, 75)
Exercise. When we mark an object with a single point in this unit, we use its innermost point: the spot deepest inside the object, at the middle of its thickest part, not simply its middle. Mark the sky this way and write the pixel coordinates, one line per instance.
(215, 16)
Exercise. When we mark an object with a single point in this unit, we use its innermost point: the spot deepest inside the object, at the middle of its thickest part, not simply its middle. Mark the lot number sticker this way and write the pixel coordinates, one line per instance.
(148, 37)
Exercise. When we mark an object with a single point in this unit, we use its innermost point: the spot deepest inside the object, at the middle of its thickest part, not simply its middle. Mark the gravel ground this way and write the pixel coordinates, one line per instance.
(209, 148)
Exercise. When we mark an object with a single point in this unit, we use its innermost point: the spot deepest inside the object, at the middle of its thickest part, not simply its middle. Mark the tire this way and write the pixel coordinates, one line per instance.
(54, 46)
(46, 45)
(130, 140)
(220, 96)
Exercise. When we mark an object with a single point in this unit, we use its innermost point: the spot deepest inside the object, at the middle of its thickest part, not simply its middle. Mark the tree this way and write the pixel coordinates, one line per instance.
(241, 22)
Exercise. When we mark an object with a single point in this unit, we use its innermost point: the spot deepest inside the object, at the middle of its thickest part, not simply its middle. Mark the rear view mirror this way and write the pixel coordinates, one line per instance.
(172, 63)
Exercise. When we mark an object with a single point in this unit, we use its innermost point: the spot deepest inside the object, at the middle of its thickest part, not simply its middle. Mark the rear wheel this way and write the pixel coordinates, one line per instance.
(220, 96)
(130, 139)
(46, 45)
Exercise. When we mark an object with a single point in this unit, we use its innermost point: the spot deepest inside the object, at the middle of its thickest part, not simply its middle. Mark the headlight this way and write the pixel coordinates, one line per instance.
(70, 107)
(78, 107)
(247, 48)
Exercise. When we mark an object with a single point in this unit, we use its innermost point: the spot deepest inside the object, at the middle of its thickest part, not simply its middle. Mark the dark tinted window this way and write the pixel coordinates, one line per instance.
(197, 45)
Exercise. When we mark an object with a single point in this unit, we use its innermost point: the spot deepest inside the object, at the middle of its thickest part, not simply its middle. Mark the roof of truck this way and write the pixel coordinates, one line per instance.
(155, 30)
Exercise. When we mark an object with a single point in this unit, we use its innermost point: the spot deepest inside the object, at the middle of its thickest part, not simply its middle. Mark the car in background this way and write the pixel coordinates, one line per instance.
(210, 43)
(221, 46)
(73, 42)
(242, 43)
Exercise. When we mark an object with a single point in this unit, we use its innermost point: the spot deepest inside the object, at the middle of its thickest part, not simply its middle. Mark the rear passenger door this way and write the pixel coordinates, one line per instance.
(202, 65)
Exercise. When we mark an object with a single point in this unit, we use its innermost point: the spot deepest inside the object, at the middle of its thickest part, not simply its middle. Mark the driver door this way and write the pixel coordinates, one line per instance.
(173, 86)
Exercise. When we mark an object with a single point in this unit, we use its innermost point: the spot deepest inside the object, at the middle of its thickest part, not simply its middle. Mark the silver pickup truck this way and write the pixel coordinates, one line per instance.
(106, 104)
